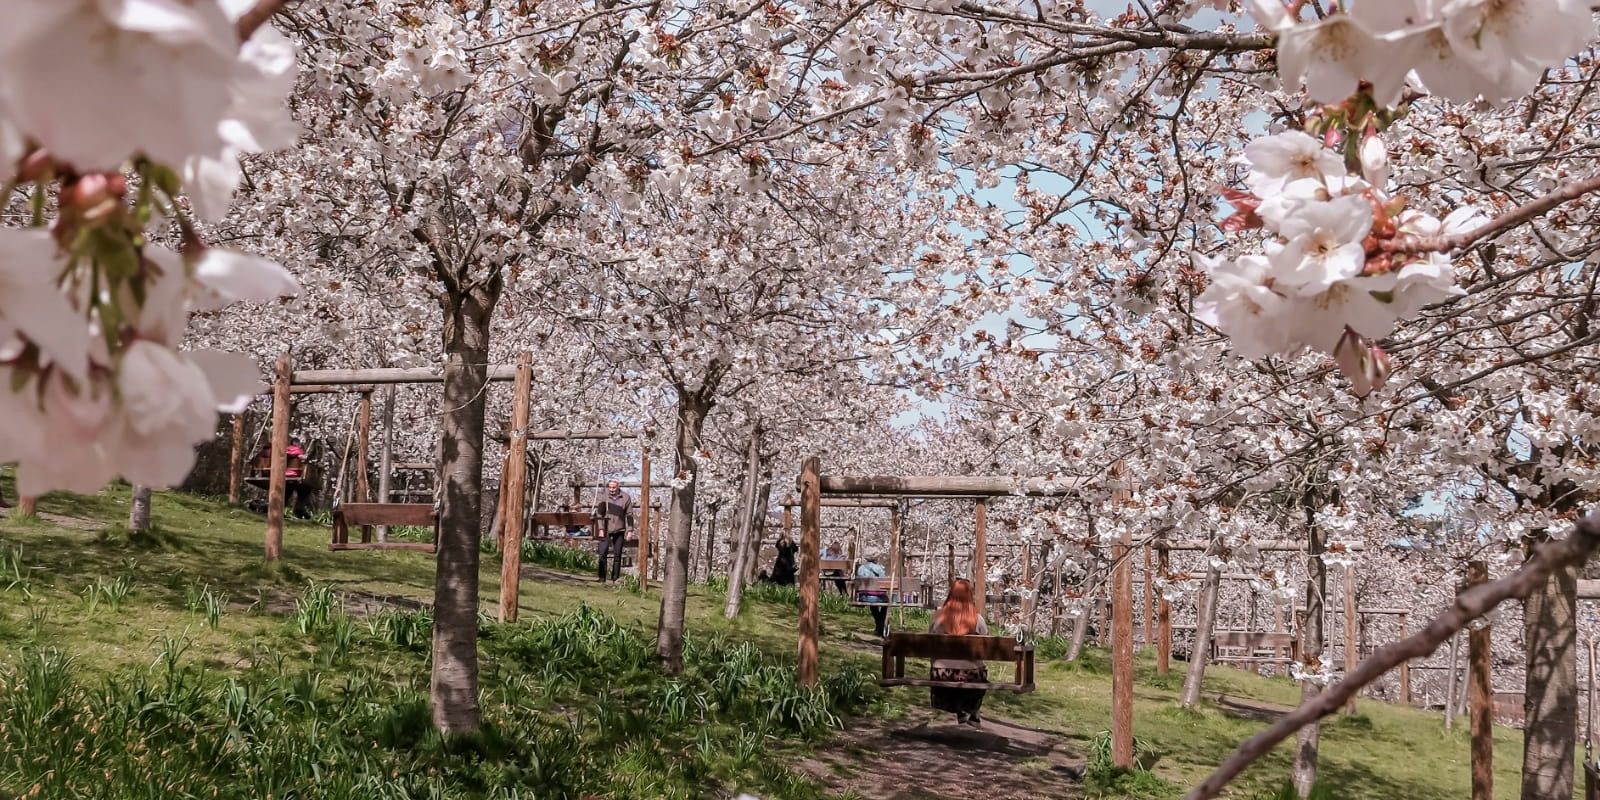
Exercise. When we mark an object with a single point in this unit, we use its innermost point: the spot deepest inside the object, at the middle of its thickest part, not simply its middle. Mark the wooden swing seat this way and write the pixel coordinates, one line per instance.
(367, 515)
(261, 471)
(887, 585)
(900, 646)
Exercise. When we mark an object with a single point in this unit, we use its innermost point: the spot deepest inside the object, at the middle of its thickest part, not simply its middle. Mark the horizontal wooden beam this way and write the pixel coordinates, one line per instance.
(842, 502)
(977, 486)
(388, 375)
(1589, 590)
(1276, 545)
(325, 388)
(597, 433)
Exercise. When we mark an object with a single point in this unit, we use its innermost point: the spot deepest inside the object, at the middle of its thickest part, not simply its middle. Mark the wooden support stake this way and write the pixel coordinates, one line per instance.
(1352, 649)
(27, 507)
(1481, 696)
(1149, 637)
(280, 456)
(512, 489)
(236, 460)
(810, 567)
(1057, 593)
(645, 517)
(1163, 617)
(363, 444)
(1405, 668)
(1122, 653)
(980, 554)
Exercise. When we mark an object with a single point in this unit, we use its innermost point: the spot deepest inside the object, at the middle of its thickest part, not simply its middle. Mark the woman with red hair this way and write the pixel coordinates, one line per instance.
(959, 617)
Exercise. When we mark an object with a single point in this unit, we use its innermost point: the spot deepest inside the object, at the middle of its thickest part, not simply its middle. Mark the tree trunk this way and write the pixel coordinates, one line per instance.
(1200, 652)
(742, 551)
(453, 689)
(1550, 705)
(1307, 741)
(1080, 630)
(692, 412)
(139, 512)
(758, 526)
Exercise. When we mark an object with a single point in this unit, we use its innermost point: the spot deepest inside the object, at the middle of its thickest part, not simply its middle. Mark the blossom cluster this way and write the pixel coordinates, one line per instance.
(131, 116)
(1323, 279)
(1458, 49)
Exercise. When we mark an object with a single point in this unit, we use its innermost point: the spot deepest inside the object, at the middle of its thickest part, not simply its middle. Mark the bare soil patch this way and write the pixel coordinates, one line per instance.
(927, 756)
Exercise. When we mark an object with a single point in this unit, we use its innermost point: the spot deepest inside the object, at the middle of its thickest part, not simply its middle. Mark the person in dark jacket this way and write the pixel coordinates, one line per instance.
(615, 513)
(783, 567)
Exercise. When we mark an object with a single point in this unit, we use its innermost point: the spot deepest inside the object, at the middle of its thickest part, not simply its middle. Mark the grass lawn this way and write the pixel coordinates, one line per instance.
(226, 677)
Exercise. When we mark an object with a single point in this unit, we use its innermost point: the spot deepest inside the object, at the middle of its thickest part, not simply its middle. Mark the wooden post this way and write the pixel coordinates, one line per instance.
(1405, 668)
(236, 462)
(810, 574)
(27, 507)
(645, 517)
(280, 456)
(1027, 584)
(1149, 599)
(386, 455)
(363, 444)
(788, 522)
(980, 555)
(1481, 696)
(1122, 653)
(1450, 683)
(511, 489)
(896, 583)
(1163, 614)
(1352, 649)
(950, 563)
(1057, 594)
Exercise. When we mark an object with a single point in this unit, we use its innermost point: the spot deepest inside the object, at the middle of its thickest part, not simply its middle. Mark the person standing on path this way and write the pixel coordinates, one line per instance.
(615, 513)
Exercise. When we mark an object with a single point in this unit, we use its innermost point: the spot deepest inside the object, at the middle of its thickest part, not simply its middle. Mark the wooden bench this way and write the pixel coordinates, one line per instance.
(366, 515)
(901, 646)
(1246, 647)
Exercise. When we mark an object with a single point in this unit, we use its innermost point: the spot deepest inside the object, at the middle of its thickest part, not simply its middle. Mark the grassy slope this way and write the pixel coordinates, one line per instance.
(1384, 753)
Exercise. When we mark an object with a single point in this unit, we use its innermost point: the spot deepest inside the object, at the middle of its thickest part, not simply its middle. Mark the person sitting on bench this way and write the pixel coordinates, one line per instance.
(878, 596)
(834, 553)
(959, 617)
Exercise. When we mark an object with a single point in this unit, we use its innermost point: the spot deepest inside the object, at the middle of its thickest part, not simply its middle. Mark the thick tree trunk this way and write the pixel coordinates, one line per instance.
(453, 689)
(1200, 652)
(1550, 733)
(1307, 741)
(742, 552)
(139, 511)
(675, 586)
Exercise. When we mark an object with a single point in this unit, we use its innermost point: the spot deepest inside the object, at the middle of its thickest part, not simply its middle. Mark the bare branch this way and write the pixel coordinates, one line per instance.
(1496, 226)
(1470, 605)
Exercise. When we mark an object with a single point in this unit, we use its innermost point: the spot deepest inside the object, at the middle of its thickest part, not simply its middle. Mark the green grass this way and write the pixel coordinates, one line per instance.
(130, 665)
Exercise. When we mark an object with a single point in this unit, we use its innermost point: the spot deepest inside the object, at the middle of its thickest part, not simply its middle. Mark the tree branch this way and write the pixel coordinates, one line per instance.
(1523, 213)
(1470, 605)
(257, 16)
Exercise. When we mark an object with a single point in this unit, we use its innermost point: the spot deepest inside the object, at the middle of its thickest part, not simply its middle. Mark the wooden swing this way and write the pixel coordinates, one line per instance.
(366, 515)
(900, 646)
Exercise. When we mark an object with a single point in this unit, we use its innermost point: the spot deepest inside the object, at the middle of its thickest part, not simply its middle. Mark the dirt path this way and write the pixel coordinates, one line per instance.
(926, 756)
